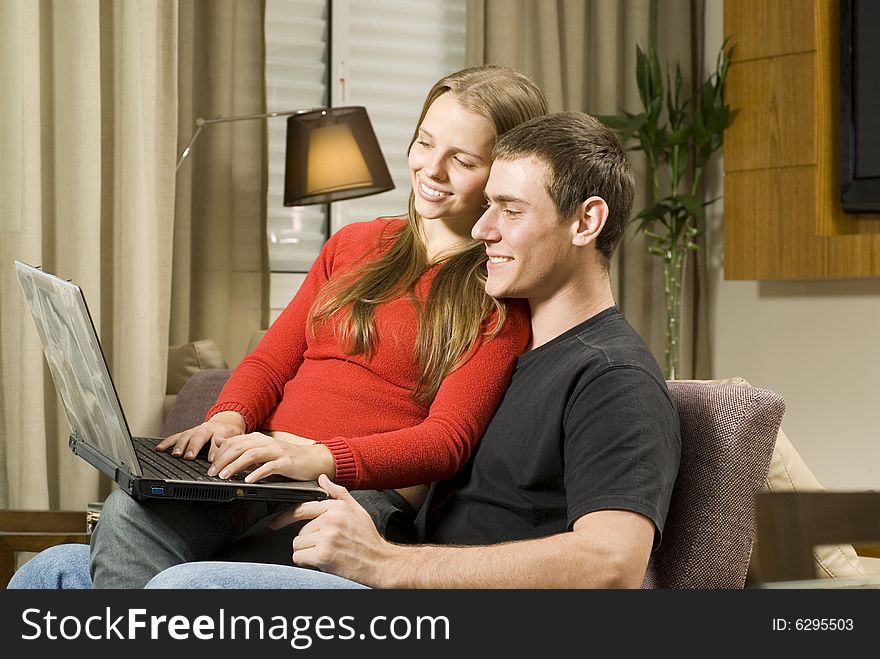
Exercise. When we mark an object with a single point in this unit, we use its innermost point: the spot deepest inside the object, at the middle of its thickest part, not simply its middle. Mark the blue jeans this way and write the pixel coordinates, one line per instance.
(67, 566)
(136, 540)
(225, 574)
(61, 566)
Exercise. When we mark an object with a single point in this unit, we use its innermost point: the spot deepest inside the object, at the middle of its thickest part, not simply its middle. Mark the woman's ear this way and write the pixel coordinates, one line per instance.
(592, 215)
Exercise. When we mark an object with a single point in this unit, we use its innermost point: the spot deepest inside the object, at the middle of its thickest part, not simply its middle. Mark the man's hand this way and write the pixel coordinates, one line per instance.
(189, 442)
(263, 455)
(340, 537)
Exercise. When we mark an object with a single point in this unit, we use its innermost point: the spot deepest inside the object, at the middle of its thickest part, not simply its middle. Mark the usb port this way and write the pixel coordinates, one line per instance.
(158, 491)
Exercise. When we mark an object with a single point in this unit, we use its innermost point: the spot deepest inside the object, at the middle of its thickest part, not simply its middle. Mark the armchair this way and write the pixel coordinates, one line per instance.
(786, 499)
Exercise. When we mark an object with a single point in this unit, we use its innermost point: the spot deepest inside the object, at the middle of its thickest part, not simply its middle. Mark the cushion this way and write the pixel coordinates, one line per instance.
(789, 473)
(195, 398)
(727, 438)
(186, 359)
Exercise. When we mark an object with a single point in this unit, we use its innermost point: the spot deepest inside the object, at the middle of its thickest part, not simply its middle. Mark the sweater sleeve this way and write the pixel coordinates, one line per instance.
(439, 446)
(256, 385)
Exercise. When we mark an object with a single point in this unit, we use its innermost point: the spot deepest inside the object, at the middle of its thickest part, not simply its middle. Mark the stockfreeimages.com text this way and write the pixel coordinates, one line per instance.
(300, 631)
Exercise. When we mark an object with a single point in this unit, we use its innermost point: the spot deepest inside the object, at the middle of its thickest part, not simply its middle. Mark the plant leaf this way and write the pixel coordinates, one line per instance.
(719, 119)
(692, 205)
(656, 81)
(643, 81)
(664, 131)
(614, 121)
(679, 137)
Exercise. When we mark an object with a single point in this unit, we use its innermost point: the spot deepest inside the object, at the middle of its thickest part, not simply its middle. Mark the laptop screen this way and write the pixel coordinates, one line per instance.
(77, 364)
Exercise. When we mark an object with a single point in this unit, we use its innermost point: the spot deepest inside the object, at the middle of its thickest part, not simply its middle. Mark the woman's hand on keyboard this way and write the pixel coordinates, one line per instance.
(188, 443)
(263, 455)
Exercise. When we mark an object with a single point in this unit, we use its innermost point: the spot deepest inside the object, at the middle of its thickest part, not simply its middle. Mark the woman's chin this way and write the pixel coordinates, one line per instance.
(429, 211)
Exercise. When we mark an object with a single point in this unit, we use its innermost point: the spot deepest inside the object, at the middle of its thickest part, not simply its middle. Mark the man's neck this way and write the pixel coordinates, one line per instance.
(571, 306)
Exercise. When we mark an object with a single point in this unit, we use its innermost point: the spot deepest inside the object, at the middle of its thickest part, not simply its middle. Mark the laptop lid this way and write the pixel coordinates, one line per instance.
(78, 366)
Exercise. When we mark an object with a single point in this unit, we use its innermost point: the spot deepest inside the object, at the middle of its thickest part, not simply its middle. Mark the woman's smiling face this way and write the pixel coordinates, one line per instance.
(449, 161)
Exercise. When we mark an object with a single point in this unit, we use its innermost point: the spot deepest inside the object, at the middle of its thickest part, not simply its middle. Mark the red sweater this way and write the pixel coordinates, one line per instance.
(361, 409)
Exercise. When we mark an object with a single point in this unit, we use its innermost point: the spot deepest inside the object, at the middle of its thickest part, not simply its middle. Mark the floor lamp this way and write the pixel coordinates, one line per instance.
(332, 154)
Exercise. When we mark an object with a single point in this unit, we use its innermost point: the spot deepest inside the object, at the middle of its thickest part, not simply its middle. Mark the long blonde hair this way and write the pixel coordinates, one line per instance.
(456, 309)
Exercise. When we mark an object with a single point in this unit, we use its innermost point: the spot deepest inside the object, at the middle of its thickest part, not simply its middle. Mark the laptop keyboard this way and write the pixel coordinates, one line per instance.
(168, 467)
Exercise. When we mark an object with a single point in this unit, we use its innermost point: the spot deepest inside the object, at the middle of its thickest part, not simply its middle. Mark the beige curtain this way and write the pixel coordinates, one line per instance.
(582, 53)
(89, 126)
(221, 258)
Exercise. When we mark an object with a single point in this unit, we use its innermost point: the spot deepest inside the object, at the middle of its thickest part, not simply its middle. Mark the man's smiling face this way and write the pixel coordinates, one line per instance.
(530, 250)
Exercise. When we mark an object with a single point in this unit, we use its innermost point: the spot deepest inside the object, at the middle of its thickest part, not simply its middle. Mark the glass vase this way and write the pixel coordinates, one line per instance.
(673, 281)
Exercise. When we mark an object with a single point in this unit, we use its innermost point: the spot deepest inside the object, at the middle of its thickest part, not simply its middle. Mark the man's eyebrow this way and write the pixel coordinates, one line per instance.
(458, 149)
(507, 199)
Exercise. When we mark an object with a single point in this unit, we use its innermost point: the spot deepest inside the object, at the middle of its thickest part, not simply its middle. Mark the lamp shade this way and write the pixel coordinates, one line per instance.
(332, 154)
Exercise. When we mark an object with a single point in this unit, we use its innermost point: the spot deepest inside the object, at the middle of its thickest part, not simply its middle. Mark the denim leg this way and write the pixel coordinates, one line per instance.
(61, 566)
(135, 540)
(222, 574)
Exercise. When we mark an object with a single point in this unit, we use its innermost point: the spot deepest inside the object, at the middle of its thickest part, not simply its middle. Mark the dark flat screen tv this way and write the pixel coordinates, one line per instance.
(860, 106)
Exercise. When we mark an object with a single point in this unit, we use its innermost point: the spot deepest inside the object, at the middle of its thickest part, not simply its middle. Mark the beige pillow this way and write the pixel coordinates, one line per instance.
(789, 473)
(186, 359)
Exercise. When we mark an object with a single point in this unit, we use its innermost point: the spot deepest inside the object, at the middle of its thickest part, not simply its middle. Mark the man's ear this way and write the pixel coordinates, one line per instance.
(592, 215)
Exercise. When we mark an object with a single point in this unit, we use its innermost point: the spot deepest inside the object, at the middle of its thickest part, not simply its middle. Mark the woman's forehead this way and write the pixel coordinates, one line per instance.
(448, 120)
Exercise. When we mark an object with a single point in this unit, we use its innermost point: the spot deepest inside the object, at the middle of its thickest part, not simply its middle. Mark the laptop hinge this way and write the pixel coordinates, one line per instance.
(117, 471)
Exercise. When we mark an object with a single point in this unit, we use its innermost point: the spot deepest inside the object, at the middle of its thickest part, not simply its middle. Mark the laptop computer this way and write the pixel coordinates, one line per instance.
(100, 434)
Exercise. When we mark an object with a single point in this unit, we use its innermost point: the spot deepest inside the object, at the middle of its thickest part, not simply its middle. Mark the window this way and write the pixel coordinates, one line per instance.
(382, 54)
(296, 78)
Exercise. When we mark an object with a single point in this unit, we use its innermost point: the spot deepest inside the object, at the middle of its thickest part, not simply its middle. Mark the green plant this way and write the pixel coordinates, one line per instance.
(678, 136)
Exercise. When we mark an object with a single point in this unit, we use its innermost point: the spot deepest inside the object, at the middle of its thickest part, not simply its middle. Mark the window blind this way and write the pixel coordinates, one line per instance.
(386, 56)
(382, 54)
(296, 33)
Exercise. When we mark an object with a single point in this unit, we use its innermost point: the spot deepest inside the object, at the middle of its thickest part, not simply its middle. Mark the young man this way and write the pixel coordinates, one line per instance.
(571, 482)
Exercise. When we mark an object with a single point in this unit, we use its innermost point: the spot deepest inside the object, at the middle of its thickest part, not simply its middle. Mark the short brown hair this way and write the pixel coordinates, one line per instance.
(584, 158)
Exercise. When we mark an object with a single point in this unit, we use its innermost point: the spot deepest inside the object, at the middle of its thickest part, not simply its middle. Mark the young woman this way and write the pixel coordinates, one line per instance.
(382, 372)
(375, 373)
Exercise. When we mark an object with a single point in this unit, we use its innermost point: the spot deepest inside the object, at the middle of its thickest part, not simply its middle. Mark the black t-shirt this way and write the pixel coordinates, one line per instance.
(586, 424)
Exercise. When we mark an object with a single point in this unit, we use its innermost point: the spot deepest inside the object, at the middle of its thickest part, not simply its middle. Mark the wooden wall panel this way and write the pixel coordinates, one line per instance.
(782, 213)
(779, 207)
(776, 121)
(789, 21)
